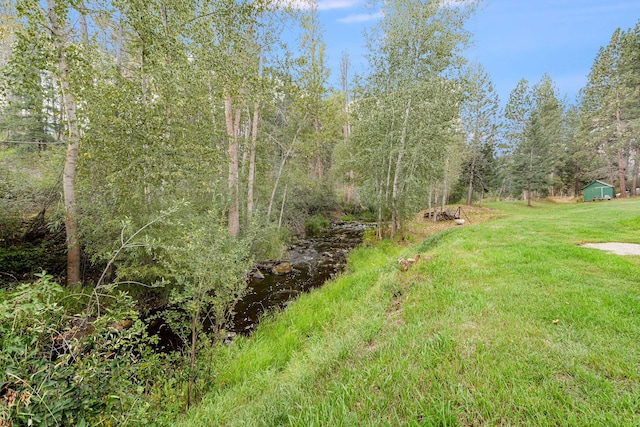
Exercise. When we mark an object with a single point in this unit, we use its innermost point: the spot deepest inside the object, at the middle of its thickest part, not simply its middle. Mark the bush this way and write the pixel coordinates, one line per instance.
(22, 261)
(268, 242)
(55, 373)
(315, 224)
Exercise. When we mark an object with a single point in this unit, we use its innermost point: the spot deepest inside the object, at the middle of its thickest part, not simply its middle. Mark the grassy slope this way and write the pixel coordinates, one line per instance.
(466, 338)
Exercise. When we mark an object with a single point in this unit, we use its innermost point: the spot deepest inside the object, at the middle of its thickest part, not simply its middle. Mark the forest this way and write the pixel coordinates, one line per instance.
(151, 152)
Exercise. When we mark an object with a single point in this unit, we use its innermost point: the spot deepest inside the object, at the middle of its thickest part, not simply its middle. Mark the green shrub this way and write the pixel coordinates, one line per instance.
(315, 224)
(268, 242)
(369, 237)
(57, 373)
(22, 261)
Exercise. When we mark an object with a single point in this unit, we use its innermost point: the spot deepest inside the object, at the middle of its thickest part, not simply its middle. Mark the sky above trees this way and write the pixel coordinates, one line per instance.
(513, 39)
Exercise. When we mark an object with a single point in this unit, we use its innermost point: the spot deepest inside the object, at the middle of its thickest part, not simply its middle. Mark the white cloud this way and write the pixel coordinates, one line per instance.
(361, 17)
(456, 3)
(337, 4)
(321, 4)
(295, 4)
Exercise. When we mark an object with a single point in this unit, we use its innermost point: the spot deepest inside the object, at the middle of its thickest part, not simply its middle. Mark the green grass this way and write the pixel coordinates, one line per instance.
(465, 338)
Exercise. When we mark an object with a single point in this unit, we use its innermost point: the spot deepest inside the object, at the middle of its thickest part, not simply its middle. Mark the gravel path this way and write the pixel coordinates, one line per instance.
(616, 248)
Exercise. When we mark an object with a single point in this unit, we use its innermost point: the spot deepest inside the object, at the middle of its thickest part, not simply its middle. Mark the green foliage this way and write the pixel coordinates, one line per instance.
(535, 130)
(29, 195)
(22, 261)
(610, 110)
(308, 198)
(28, 185)
(315, 224)
(369, 238)
(479, 115)
(210, 268)
(268, 241)
(55, 373)
(406, 118)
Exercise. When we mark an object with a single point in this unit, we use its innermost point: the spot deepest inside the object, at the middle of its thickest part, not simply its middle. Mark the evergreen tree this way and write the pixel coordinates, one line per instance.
(479, 114)
(534, 123)
(609, 106)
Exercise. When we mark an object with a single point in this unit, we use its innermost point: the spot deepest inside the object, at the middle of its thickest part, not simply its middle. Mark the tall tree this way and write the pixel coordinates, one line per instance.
(534, 123)
(313, 78)
(412, 48)
(610, 107)
(479, 115)
(62, 58)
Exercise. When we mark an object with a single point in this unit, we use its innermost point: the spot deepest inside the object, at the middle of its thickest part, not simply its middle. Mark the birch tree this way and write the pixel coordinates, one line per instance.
(51, 25)
(412, 49)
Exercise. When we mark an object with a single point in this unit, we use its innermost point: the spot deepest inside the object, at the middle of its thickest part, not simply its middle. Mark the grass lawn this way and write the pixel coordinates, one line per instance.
(509, 322)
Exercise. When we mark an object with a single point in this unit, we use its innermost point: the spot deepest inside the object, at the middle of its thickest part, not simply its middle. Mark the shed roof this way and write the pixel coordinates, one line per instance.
(599, 182)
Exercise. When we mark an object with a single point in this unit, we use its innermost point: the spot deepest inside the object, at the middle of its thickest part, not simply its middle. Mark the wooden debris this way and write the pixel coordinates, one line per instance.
(447, 215)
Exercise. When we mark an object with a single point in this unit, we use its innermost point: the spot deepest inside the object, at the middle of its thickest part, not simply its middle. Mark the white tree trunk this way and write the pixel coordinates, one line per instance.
(71, 159)
(233, 215)
(252, 159)
(396, 175)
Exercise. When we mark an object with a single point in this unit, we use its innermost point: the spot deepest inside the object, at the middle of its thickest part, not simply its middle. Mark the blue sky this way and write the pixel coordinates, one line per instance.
(513, 39)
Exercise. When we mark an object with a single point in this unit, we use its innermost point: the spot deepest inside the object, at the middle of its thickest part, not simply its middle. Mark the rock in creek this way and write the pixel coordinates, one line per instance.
(282, 268)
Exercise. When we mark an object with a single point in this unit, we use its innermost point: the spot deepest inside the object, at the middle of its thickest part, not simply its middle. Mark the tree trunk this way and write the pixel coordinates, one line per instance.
(284, 198)
(634, 177)
(347, 190)
(319, 167)
(430, 195)
(470, 190)
(396, 174)
(192, 357)
(319, 163)
(71, 159)
(623, 187)
(233, 216)
(119, 40)
(530, 176)
(444, 186)
(82, 18)
(252, 159)
(275, 184)
(379, 231)
(281, 169)
(435, 203)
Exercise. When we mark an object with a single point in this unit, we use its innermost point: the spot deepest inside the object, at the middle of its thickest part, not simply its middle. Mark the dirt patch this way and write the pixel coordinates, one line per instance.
(471, 214)
(616, 248)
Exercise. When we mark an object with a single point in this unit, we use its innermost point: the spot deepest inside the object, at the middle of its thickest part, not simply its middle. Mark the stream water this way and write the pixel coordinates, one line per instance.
(312, 262)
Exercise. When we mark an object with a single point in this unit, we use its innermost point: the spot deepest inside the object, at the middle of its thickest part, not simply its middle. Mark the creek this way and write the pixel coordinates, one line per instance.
(308, 264)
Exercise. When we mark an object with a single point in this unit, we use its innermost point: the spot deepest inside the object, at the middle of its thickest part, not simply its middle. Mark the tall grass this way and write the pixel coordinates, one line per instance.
(508, 323)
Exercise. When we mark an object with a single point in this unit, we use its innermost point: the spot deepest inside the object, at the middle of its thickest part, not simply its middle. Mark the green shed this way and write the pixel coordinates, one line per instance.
(597, 190)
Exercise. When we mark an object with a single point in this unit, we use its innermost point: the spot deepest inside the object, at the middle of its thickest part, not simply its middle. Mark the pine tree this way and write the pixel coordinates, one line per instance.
(534, 123)
(480, 122)
(609, 107)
